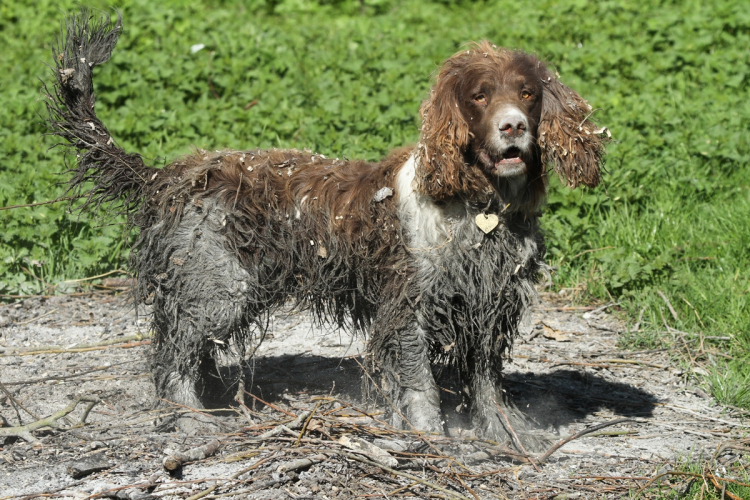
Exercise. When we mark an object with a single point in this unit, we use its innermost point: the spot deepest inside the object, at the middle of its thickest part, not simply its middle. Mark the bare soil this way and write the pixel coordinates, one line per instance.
(567, 374)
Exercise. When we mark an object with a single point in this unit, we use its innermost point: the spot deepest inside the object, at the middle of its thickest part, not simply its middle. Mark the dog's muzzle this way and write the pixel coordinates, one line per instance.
(509, 141)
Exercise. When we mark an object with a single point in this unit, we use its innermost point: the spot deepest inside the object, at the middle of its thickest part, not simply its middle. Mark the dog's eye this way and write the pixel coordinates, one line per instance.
(526, 95)
(480, 98)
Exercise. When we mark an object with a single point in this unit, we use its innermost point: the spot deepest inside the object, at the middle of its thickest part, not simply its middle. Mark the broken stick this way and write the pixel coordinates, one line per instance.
(176, 459)
(24, 431)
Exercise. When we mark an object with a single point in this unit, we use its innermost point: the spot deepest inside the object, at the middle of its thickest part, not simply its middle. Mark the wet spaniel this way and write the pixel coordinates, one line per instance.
(433, 252)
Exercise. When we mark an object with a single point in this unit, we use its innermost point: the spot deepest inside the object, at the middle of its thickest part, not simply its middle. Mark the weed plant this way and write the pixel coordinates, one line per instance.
(697, 477)
(345, 78)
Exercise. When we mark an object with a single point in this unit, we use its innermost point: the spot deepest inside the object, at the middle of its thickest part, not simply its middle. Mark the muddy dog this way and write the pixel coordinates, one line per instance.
(433, 252)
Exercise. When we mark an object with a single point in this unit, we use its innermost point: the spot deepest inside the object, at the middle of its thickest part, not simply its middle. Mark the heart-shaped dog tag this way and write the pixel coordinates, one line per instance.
(487, 222)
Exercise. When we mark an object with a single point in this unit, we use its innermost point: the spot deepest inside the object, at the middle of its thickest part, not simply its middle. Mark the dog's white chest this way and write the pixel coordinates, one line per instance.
(429, 226)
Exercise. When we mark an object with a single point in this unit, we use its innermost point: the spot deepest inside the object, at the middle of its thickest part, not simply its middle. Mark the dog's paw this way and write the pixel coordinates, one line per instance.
(508, 426)
(422, 409)
(192, 424)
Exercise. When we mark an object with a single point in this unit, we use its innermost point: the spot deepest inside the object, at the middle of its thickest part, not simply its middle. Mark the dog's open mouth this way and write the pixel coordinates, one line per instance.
(511, 156)
(509, 162)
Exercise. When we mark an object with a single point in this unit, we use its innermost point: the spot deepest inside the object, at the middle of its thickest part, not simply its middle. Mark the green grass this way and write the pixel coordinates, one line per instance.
(699, 478)
(670, 79)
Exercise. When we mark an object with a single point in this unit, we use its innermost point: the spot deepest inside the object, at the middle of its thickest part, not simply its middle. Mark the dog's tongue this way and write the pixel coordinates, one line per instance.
(507, 161)
(510, 157)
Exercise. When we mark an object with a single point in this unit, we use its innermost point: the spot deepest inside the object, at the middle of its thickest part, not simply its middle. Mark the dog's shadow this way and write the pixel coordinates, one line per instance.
(295, 377)
(559, 398)
(549, 400)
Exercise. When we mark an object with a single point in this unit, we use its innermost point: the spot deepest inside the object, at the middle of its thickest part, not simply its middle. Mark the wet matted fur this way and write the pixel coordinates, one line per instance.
(392, 249)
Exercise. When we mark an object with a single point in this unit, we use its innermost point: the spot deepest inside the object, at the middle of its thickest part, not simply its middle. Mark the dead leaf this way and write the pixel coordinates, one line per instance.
(557, 335)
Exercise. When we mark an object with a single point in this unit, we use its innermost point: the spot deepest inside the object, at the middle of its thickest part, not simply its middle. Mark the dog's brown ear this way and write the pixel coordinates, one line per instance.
(445, 136)
(569, 140)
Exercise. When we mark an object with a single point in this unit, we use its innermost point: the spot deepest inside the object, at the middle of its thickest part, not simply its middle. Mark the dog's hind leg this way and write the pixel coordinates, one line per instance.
(203, 300)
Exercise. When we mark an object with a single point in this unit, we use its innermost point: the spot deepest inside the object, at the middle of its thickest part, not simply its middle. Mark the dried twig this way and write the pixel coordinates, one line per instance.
(721, 487)
(242, 455)
(711, 477)
(669, 305)
(239, 186)
(634, 362)
(706, 417)
(63, 377)
(307, 422)
(518, 442)
(466, 486)
(56, 200)
(287, 427)
(602, 361)
(17, 404)
(234, 476)
(24, 431)
(37, 317)
(77, 294)
(116, 271)
(124, 342)
(568, 439)
(408, 476)
(603, 308)
(742, 445)
(270, 405)
(369, 450)
(111, 493)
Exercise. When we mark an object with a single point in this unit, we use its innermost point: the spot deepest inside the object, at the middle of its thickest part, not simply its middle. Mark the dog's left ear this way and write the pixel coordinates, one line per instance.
(567, 138)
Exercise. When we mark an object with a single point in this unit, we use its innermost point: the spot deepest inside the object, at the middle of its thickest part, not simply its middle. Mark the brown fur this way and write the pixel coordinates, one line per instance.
(256, 183)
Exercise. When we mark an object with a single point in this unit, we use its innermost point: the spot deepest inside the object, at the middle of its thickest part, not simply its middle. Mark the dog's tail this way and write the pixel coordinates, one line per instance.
(118, 177)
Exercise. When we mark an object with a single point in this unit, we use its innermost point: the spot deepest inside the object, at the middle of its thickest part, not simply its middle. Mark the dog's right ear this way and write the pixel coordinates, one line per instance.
(445, 136)
(569, 140)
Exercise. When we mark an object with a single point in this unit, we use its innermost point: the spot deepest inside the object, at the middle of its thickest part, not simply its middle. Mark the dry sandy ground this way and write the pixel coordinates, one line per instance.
(567, 374)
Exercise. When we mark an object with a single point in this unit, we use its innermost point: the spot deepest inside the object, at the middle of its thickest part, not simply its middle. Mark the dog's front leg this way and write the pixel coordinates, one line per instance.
(417, 396)
(496, 417)
(487, 406)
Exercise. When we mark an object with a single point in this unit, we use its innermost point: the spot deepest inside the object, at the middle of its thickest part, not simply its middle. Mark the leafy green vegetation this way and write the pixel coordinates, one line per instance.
(345, 78)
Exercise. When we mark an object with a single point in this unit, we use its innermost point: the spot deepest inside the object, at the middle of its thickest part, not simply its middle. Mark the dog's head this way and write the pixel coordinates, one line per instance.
(494, 118)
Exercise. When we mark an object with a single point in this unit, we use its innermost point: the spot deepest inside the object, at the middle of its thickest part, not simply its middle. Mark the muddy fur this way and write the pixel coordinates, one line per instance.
(388, 249)
(219, 261)
(117, 176)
